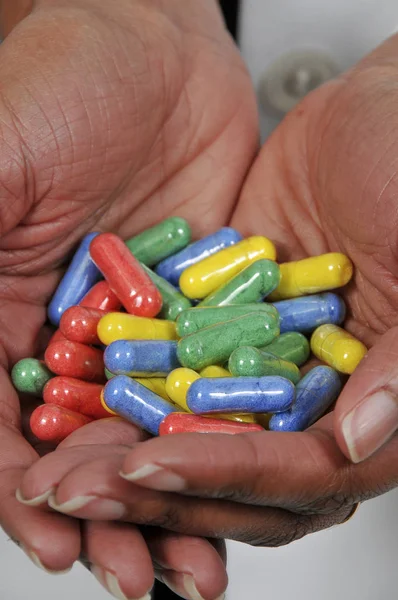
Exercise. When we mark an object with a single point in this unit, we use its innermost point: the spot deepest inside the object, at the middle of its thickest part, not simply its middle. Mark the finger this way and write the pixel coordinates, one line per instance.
(106, 432)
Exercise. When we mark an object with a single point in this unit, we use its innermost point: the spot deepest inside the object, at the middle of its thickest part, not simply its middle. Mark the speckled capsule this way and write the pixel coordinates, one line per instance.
(157, 385)
(141, 358)
(308, 312)
(337, 348)
(293, 347)
(76, 395)
(100, 296)
(315, 393)
(136, 403)
(126, 277)
(215, 344)
(156, 243)
(173, 301)
(79, 324)
(240, 395)
(51, 423)
(184, 423)
(79, 278)
(121, 326)
(194, 319)
(313, 275)
(172, 267)
(205, 277)
(214, 371)
(30, 375)
(72, 359)
(252, 362)
(252, 284)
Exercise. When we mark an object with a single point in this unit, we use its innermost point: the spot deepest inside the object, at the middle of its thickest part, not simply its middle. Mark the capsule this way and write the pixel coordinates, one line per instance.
(240, 395)
(108, 374)
(30, 375)
(72, 359)
(173, 301)
(79, 278)
(100, 296)
(137, 293)
(205, 277)
(184, 423)
(252, 284)
(293, 347)
(214, 371)
(178, 383)
(308, 312)
(136, 403)
(156, 384)
(315, 393)
(215, 344)
(121, 326)
(252, 362)
(158, 242)
(79, 324)
(172, 267)
(142, 358)
(313, 275)
(51, 423)
(76, 395)
(337, 348)
(194, 319)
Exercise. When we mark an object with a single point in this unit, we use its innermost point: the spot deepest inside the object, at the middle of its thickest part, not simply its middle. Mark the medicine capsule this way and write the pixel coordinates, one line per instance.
(136, 403)
(252, 362)
(79, 324)
(252, 284)
(172, 267)
(337, 348)
(76, 395)
(205, 277)
(121, 326)
(101, 297)
(72, 359)
(315, 393)
(215, 344)
(51, 423)
(79, 278)
(214, 371)
(194, 319)
(126, 277)
(156, 243)
(142, 358)
(240, 395)
(308, 312)
(156, 384)
(178, 383)
(313, 275)
(108, 374)
(30, 375)
(184, 423)
(173, 301)
(292, 346)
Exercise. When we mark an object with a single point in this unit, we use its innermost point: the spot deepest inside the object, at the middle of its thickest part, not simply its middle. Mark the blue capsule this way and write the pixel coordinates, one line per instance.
(308, 312)
(79, 278)
(240, 395)
(172, 267)
(315, 393)
(141, 358)
(136, 403)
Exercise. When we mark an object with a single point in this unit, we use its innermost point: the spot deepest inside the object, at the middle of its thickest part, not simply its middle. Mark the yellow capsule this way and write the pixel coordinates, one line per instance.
(312, 275)
(201, 279)
(214, 371)
(121, 326)
(337, 348)
(155, 384)
(263, 419)
(248, 418)
(178, 383)
(104, 405)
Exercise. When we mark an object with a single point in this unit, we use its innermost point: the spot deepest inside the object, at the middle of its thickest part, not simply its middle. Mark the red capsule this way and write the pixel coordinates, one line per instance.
(52, 423)
(186, 423)
(126, 277)
(57, 337)
(79, 324)
(77, 395)
(72, 359)
(101, 296)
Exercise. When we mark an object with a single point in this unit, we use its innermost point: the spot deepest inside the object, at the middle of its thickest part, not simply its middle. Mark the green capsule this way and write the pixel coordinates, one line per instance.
(108, 374)
(291, 346)
(250, 285)
(194, 319)
(252, 362)
(173, 301)
(215, 344)
(30, 375)
(158, 242)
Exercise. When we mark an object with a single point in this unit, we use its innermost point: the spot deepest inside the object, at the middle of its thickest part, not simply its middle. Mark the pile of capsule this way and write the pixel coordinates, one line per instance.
(178, 337)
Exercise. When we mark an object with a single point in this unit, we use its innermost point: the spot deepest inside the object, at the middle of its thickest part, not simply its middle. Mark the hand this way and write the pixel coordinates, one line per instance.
(103, 127)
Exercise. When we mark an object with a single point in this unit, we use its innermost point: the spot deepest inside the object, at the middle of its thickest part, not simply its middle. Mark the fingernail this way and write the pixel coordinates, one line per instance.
(156, 478)
(37, 562)
(186, 587)
(37, 501)
(110, 582)
(370, 425)
(100, 508)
